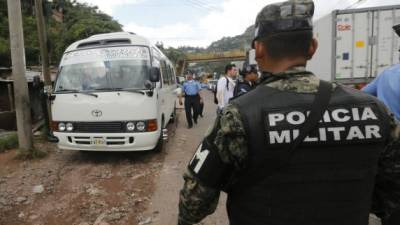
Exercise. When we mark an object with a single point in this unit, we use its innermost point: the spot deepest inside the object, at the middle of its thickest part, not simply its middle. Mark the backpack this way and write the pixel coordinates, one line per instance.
(216, 88)
(236, 90)
(215, 94)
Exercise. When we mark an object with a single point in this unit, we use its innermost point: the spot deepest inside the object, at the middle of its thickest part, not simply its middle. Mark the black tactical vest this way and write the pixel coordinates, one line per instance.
(328, 180)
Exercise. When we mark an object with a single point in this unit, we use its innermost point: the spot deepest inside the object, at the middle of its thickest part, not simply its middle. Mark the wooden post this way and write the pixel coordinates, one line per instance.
(21, 93)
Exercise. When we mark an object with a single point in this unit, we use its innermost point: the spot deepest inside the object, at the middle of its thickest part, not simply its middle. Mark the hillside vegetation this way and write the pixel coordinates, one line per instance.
(79, 21)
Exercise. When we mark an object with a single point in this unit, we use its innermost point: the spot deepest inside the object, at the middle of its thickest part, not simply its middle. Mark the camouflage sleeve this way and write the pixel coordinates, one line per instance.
(386, 197)
(231, 138)
(197, 200)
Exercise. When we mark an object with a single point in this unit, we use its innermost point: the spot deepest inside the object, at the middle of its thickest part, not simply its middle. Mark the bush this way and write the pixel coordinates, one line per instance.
(9, 141)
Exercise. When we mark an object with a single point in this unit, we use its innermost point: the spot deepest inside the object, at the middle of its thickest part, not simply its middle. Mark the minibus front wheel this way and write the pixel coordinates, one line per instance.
(160, 142)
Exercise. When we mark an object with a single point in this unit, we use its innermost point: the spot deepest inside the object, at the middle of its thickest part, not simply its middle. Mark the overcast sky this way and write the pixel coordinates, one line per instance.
(193, 22)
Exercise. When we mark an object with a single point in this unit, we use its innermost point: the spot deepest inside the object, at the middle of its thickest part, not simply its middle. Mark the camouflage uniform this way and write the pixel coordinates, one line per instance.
(229, 139)
(197, 200)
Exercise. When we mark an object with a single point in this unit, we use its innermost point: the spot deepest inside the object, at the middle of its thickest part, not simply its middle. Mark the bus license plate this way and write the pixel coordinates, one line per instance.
(98, 141)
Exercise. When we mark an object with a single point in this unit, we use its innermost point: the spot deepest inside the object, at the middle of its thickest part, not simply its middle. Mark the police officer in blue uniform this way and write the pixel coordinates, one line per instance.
(191, 89)
(386, 87)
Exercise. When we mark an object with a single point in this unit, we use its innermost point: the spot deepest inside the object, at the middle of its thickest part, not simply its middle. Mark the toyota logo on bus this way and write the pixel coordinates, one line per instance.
(97, 113)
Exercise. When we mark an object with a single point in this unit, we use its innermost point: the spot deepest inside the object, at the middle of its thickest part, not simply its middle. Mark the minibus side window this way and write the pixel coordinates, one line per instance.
(164, 73)
(171, 75)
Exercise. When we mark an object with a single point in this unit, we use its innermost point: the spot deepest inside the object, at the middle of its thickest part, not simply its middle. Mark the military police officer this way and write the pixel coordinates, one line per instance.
(296, 150)
(247, 82)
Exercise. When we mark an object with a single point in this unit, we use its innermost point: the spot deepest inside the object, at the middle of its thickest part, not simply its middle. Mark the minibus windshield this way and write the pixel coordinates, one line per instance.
(104, 70)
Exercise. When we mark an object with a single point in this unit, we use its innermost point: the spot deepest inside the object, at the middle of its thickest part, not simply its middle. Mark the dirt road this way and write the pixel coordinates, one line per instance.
(73, 188)
(164, 205)
(95, 188)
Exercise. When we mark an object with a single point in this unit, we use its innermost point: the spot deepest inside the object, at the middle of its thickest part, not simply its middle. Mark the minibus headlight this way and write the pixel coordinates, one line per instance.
(69, 127)
(141, 126)
(61, 127)
(130, 126)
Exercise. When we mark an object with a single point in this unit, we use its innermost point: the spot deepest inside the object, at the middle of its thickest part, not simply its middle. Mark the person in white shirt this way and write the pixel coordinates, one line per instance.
(226, 86)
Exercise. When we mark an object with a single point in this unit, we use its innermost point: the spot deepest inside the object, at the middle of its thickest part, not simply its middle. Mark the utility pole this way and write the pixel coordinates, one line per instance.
(41, 26)
(22, 102)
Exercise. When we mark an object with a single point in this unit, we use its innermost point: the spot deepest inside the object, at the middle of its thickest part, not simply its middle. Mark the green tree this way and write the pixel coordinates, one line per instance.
(5, 54)
(80, 21)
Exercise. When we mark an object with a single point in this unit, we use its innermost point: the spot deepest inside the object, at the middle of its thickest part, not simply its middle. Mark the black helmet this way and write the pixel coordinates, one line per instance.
(248, 69)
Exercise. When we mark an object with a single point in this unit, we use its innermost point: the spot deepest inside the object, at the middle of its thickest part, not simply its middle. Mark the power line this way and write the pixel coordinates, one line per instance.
(200, 5)
(203, 4)
(196, 6)
(206, 4)
(158, 5)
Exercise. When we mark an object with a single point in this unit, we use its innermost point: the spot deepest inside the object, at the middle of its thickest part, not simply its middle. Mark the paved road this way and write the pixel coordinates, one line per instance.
(163, 207)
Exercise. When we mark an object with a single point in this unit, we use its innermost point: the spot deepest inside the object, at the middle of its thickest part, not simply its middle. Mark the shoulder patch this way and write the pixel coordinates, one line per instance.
(207, 166)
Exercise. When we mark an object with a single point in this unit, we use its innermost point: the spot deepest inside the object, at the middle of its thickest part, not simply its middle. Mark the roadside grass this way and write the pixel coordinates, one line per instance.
(34, 153)
(8, 142)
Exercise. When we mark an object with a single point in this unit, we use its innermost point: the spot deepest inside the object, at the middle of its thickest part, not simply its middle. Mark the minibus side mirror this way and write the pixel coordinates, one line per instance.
(149, 85)
(155, 74)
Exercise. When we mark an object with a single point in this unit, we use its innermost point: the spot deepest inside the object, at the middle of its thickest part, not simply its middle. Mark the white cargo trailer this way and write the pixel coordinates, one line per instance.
(356, 45)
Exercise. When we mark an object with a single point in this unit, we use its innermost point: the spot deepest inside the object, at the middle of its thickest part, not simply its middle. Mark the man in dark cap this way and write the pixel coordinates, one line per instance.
(295, 150)
(247, 82)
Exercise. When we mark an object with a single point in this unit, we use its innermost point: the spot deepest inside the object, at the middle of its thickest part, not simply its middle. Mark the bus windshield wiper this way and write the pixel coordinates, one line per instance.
(67, 90)
(103, 89)
(88, 93)
(76, 91)
(131, 90)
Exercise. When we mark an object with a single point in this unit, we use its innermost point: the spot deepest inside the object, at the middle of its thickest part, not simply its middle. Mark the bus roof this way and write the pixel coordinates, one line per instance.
(109, 39)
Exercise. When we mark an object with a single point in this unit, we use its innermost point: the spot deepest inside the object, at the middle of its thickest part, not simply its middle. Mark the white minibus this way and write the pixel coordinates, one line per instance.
(114, 92)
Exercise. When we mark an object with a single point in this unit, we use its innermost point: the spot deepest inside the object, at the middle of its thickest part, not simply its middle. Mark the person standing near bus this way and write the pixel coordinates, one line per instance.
(191, 90)
(225, 86)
